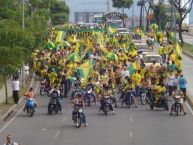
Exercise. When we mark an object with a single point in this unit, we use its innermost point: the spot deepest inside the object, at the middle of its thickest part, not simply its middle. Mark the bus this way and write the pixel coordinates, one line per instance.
(98, 19)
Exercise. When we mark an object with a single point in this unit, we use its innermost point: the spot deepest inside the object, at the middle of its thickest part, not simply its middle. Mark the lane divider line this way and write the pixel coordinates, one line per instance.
(57, 134)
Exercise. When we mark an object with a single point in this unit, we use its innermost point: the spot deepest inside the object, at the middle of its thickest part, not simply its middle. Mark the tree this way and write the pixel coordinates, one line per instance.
(59, 12)
(159, 11)
(183, 10)
(147, 10)
(122, 4)
(10, 60)
(141, 4)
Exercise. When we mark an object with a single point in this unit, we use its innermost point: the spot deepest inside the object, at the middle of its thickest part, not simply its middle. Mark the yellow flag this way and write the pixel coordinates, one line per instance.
(111, 29)
(59, 36)
(90, 45)
(136, 65)
(178, 49)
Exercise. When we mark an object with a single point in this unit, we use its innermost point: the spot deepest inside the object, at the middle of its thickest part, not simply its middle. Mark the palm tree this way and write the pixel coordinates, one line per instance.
(141, 4)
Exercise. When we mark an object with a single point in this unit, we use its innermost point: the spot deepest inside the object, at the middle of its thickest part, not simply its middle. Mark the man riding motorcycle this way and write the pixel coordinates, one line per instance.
(159, 90)
(55, 92)
(79, 102)
(106, 95)
(178, 94)
(30, 95)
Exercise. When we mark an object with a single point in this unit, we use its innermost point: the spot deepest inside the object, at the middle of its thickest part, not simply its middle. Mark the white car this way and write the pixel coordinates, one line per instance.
(150, 58)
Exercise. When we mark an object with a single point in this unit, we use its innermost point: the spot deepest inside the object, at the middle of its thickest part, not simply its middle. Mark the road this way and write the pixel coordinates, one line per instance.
(135, 126)
(187, 38)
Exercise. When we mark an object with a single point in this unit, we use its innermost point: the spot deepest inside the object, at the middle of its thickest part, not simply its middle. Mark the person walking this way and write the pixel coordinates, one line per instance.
(9, 141)
(26, 71)
(15, 86)
(182, 85)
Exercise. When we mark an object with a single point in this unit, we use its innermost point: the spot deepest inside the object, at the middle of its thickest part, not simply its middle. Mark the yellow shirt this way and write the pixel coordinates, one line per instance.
(137, 79)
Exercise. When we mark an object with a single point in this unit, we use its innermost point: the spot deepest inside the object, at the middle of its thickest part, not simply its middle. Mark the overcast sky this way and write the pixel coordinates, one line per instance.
(98, 5)
(92, 5)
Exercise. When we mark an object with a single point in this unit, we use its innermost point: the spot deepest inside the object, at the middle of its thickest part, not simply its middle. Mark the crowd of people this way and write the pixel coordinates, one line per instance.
(110, 63)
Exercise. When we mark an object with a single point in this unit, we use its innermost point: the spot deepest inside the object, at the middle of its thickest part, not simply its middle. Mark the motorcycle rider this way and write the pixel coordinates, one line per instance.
(130, 86)
(159, 90)
(106, 93)
(79, 102)
(178, 92)
(30, 95)
(90, 85)
(56, 91)
(77, 84)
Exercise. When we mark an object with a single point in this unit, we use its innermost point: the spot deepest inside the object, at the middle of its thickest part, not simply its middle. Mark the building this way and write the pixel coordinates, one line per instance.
(86, 17)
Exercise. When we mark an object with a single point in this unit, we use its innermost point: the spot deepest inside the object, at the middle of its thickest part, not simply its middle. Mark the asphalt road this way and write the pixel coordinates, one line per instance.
(135, 126)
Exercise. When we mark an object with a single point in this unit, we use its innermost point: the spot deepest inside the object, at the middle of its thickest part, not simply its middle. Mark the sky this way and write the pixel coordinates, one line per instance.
(93, 5)
(98, 6)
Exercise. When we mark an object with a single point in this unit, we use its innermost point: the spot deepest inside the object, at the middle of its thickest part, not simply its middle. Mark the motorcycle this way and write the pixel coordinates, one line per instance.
(78, 117)
(53, 105)
(77, 90)
(107, 103)
(88, 96)
(144, 96)
(177, 107)
(44, 88)
(162, 103)
(128, 98)
(30, 107)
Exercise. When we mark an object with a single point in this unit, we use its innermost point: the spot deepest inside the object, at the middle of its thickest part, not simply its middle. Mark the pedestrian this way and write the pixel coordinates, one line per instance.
(182, 85)
(10, 142)
(26, 71)
(15, 86)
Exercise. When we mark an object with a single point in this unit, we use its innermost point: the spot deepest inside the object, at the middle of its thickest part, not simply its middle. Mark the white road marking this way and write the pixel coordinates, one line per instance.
(43, 129)
(131, 134)
(189, 108)
(57, 134)
(12, 119)
(131, 119)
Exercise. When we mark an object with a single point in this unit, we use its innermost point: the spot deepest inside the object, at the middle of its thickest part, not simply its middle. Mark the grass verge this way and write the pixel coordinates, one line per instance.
(188, 48)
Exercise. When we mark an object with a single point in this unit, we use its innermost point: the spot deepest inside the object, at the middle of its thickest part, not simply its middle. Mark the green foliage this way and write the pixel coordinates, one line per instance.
(160, 16)
(8, 9)
(11, 59)
(59, 12)
(122, 3)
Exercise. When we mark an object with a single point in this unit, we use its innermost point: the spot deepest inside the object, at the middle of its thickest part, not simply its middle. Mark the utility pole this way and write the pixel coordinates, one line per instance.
(133, 16)
(108, 6)
(23, 28)
(23, 15)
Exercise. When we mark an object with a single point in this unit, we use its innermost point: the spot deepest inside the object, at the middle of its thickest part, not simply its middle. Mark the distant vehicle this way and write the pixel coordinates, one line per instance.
(115, 19)
(128, 33)
(98, 18)
(119, 30)
(142, 47)
(185, 27)
(173, 27)
(150, 58)
(115, 24)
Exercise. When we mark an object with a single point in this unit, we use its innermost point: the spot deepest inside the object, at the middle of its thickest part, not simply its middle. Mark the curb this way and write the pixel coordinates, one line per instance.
(189, 99)
(11, 110)
(187, 54)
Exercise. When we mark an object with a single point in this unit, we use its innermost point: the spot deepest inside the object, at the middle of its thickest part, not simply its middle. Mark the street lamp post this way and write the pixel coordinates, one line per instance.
(23, 15)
